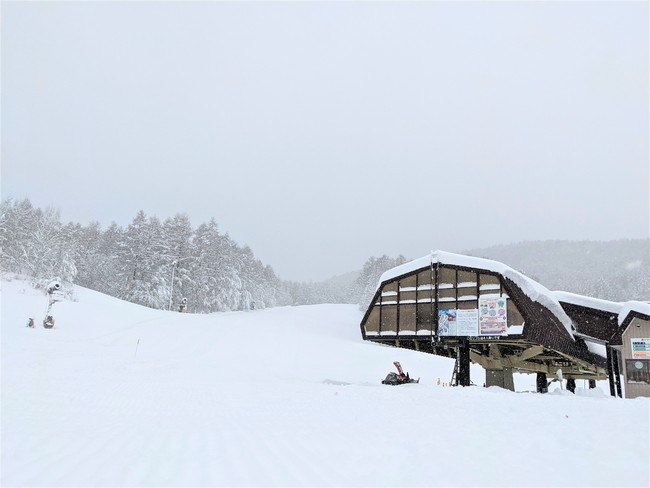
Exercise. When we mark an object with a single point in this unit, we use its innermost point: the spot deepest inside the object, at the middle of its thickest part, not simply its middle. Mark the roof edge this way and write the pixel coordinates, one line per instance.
(535, 291)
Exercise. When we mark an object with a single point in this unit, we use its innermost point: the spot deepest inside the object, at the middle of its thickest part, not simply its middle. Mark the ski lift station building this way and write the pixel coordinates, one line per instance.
(482, 311)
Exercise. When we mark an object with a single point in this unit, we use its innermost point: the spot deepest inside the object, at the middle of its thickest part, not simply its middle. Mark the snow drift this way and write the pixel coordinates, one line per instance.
(121, 395)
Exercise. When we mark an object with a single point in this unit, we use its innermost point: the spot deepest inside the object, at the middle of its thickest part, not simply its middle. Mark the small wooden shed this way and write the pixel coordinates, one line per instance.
(632, 340)
(624, 330)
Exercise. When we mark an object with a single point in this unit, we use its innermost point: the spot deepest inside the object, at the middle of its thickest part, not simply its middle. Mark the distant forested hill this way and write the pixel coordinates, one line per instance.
(613, 270)
(156, 263)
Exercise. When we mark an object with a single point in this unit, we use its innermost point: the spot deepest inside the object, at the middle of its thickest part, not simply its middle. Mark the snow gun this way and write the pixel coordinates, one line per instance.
(398, 378)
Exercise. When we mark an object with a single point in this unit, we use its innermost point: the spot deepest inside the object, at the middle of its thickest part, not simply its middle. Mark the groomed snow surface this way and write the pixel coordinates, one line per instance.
(121, 395)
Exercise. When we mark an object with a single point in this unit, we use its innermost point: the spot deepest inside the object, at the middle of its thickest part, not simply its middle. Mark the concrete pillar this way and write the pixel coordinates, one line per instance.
(508, 381)
(494, 377)
(500, 377)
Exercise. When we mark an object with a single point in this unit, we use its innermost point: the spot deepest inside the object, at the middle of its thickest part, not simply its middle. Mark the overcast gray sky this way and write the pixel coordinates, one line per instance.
(323, 133)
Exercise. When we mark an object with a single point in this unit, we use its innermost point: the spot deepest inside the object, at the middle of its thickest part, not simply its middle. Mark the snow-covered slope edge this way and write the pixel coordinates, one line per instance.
(122, 395)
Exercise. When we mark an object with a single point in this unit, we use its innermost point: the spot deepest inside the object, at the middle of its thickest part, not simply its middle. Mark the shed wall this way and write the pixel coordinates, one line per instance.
(636, 367)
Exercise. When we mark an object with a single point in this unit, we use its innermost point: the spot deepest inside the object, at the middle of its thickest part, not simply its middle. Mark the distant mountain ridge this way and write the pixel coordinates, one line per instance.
(616, 270)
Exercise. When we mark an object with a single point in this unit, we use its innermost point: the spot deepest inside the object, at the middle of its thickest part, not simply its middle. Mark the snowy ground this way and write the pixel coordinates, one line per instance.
(121, 395)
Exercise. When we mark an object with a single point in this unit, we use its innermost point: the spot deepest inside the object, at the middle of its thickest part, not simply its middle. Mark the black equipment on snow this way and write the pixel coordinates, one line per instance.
(398, 378)
(48, 322)
(30, 323)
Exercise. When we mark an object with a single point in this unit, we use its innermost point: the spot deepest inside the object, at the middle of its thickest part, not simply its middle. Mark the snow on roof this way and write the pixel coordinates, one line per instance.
(532, 289)
(588, 302)
(595, 348)
(622, 309)
(422, 262)
(632, 306)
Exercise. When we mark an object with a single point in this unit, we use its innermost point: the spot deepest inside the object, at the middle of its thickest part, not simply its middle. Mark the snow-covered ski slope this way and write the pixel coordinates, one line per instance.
(121, 395)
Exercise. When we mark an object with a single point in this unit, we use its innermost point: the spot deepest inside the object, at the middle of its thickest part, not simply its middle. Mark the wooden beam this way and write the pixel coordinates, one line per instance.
(527, 354)
(485, 361)
(496, 361)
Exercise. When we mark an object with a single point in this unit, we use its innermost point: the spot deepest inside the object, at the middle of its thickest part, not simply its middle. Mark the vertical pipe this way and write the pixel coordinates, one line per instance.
(610, 370)
(381, 303)
(397, 306)
(171, 294)
(434, 308)
(417, 305)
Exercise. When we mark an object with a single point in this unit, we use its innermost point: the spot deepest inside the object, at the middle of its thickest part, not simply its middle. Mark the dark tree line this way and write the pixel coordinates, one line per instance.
(157, 263)
(137, 263)
(617, 270)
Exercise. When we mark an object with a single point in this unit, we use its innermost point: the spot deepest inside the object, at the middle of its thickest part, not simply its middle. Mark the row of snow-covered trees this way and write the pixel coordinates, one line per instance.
(371, 272)
(33, 243)
(137, 263)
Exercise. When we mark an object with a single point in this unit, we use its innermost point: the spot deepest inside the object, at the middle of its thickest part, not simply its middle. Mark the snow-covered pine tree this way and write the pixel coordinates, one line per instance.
(209, 289)
(34, 244)
(176, 248)
(106, 274)
(145, 272)
(84, 244)
(372, 270)
(18, 225)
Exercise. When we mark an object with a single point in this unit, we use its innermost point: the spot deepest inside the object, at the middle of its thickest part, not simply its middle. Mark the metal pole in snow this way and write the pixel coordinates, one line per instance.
(136, 348)
(171, 293)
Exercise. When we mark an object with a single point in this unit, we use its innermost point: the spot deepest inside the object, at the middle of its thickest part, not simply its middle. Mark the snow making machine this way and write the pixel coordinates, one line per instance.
(398, 378)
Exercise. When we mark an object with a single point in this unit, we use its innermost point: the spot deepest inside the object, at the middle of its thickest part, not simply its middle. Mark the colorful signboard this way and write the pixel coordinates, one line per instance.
(447, 325)
(640, 348)
(455, 322)
(491, 318)
(493, 315)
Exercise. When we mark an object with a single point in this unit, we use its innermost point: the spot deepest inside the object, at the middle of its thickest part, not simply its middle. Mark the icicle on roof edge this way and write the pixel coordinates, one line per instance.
(535, 291)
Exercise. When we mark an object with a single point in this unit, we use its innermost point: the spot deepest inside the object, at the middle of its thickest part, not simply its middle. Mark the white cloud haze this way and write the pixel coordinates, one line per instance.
(323, 133)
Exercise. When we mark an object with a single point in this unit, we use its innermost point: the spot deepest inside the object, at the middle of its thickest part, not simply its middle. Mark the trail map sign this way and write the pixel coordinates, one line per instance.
(493, 315)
